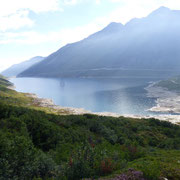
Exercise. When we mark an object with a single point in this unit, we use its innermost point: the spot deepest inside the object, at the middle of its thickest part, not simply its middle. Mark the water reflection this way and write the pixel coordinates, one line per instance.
(62, 83)
(125, 96)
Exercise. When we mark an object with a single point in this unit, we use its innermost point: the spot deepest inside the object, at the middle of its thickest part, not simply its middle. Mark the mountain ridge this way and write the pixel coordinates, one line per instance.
(146, 43)
(16, 69)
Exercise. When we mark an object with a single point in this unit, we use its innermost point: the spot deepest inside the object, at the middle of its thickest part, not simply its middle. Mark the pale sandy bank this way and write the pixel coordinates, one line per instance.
(42, 102)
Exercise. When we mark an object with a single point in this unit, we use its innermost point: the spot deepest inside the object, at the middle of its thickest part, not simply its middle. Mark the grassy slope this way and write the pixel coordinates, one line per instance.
(37, 144)
(11, 97)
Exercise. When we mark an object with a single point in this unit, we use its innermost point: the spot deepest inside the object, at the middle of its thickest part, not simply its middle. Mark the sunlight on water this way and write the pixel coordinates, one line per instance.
(124, 96)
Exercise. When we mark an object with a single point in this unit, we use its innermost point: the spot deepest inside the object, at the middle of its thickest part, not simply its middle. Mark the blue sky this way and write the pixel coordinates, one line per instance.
(30, 28)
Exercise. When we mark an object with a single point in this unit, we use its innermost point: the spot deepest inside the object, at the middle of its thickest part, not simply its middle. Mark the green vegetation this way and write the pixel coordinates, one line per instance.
(35, 144)
(11, 97)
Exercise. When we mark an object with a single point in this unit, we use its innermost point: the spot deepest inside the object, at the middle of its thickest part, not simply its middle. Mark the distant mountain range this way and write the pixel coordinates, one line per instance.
(16, 69)
(148, 46)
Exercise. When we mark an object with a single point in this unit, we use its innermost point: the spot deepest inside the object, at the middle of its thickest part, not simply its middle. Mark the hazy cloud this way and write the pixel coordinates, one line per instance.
(15, 21)
(174, 4)
(14, 13)
(63, 36)
(70, 2)
(8, 7)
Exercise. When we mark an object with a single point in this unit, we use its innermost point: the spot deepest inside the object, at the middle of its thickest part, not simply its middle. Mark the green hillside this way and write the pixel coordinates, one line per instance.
(38, 144)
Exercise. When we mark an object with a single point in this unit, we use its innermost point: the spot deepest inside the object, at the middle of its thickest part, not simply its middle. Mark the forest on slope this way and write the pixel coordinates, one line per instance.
(38, 144)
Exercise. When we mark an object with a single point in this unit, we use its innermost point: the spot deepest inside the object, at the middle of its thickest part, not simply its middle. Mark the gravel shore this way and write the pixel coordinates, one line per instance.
(42, 102)
(167, 101)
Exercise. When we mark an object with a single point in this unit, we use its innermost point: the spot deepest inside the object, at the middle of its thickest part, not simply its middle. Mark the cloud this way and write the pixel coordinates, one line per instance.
(14, 13)
(64, 36)
(98, 1)
(172, 4)
(70, 2)
(15, 21)
(74, 2)
(8, 7)
(123, 13)
(129, 9)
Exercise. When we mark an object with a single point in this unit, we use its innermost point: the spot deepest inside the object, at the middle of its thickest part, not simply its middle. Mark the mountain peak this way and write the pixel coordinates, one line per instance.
(161, 10)
(16, 69)
(112, 24)
(113, 27)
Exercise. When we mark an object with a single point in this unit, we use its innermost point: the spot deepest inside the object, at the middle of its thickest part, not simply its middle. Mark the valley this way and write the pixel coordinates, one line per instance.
(104, 105)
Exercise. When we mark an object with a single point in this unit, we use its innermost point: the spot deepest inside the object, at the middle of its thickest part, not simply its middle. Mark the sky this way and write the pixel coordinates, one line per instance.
(31, 28)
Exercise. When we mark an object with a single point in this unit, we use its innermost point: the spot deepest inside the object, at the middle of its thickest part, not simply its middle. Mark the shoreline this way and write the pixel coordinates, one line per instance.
(159, 93)
(166, 101)
(48, 103)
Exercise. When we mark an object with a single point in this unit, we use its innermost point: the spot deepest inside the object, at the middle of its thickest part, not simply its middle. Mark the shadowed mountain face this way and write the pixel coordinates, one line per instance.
(142, 47)
(18, 68)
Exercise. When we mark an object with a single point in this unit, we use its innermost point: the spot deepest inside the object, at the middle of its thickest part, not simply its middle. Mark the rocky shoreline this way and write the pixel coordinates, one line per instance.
(48, 103)
(166, 101)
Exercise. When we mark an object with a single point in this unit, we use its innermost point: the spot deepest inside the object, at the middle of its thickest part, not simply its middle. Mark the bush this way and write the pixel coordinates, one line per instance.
(81, 163)
(151, 170)
(20, 159)
(106, 166)
(131, 174)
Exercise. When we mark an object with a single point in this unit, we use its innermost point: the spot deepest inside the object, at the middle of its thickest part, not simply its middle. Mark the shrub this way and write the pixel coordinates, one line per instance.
(81, 163)
(106, 166)
(19, 158)
(151, 170)
(131, 174)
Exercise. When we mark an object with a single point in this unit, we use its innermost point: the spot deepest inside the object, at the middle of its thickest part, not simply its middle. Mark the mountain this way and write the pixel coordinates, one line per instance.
(14, 70)
(147, 46)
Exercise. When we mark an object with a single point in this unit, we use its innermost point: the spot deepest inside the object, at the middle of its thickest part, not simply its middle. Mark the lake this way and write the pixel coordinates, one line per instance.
(122, 95)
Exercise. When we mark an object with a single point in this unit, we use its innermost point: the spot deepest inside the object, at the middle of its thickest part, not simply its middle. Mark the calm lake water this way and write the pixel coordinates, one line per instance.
(124, 95)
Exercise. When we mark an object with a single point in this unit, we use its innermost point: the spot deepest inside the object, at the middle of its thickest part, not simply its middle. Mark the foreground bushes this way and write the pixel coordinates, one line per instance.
(19, 159)
(34, 144)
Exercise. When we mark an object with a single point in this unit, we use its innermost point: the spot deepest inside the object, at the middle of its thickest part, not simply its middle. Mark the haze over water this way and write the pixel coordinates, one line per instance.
(122, 95)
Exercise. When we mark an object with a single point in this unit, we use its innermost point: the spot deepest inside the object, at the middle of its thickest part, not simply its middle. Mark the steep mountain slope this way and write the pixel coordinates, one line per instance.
(14, 70)
(143, 47)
